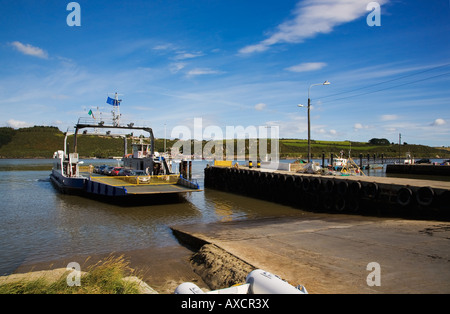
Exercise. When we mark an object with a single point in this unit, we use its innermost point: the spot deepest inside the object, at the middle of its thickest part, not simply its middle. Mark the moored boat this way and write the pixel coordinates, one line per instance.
(155, 174)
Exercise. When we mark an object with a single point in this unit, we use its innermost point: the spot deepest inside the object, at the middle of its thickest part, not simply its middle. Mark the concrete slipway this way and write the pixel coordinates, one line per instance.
(331, 255)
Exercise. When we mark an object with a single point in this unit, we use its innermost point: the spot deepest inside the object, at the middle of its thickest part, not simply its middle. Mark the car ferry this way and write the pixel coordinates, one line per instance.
(154, 174)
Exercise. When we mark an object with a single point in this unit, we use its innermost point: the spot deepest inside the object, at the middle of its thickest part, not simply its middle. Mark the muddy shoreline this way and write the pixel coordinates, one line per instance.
(163, 269)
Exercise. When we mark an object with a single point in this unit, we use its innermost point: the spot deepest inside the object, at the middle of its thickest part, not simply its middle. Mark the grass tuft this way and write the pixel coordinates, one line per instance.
(105, 277)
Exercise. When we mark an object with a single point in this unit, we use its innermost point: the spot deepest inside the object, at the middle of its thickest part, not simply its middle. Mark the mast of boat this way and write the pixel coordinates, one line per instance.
(116, 110)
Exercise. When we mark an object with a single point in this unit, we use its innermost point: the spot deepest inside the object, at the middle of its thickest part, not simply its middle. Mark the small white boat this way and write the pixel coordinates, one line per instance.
(339, 163)
(257, 282)
(409, 160)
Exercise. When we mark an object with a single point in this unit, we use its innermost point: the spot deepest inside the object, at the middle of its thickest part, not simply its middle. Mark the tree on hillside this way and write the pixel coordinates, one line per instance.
(6, 135)
(379, 141)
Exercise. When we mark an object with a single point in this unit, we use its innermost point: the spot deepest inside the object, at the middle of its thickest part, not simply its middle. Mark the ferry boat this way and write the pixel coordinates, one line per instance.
(71, 175)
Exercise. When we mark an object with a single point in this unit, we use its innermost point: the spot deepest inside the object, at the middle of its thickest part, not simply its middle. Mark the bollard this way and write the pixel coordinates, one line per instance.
(258, 164)
(250, 164)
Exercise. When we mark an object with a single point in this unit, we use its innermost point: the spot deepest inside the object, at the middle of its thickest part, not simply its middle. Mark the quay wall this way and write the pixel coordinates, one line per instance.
(436, 170)
(336, 194)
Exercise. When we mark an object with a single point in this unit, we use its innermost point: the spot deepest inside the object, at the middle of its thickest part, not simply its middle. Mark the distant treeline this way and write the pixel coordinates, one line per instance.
(43, 141)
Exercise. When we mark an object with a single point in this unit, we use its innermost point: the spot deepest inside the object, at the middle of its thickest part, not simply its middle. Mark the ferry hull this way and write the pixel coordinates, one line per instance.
(67, 185)
(95, 188)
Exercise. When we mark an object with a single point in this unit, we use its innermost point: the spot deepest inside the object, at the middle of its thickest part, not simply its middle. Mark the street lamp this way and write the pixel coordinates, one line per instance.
(309, 120)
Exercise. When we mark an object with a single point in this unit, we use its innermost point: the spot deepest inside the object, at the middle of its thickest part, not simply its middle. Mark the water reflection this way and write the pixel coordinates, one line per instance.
(39, 224)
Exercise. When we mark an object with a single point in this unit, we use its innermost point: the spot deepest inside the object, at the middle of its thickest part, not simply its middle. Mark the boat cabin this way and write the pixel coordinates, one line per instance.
(141, 158)
(66, 164)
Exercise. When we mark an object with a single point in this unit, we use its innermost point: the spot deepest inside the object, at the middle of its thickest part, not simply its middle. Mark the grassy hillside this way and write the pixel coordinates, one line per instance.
(299, 148)
(42, 142)
(32, 142)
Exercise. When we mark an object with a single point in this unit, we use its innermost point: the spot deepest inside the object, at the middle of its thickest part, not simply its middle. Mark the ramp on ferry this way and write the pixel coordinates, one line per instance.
(144, 185)
(159, 189)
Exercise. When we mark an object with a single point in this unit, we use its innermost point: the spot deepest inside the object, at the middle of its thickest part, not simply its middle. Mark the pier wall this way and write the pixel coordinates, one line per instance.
(436, 170)
(338, 194)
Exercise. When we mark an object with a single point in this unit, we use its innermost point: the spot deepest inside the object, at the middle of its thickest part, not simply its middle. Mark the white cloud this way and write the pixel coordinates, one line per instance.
(164, 47)
(308, 66)
(260, 106)
(389, 117)
(30, 50)
(17, 124)
(359, 126)
(202, 71)
(439, 122)
(310, 18)
(183, 56)
(177, 66)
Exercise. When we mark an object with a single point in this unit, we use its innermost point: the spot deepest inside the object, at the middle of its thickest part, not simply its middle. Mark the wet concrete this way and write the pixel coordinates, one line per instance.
(331, 255)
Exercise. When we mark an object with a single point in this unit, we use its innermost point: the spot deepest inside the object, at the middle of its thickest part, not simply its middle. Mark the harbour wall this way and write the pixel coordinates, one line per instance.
(436, 170)
(337, 194)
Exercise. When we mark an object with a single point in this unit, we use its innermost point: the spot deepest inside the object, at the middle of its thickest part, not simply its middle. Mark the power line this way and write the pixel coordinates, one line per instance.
(379, 90)
(392, 80)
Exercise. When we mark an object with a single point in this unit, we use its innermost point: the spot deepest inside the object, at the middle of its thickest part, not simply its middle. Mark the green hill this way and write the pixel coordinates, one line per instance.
(299, 148)
(43, 141)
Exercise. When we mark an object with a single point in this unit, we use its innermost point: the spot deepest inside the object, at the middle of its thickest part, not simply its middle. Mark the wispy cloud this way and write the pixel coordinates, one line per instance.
(438, 122)
(389, 117)
(186, 55)
(261, 106)
(167, 46)
(308, 66)
(177, 66)
(201, 71)
(360, 126)
(15, 124)
(30, 50)
(310, 18)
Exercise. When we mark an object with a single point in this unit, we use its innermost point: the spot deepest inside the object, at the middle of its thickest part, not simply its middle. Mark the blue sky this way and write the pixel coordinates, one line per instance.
(232, 63)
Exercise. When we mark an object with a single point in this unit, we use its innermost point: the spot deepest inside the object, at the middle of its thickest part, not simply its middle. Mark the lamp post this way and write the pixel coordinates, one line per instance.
(309, 119)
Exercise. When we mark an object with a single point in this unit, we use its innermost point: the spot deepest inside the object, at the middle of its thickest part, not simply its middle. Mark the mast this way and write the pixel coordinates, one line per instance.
(116, 110)
(82, 124)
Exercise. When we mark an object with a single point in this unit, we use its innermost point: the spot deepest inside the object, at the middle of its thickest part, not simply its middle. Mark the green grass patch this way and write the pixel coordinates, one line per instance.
(105, 277)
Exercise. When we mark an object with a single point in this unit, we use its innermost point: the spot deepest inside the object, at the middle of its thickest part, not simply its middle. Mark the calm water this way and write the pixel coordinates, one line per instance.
(38, 224)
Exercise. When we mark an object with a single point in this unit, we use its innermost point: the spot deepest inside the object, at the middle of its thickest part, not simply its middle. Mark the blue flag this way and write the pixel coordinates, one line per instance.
(113, 102)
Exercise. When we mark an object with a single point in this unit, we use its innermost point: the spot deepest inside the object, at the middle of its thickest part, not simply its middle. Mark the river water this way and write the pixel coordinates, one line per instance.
(38, 224)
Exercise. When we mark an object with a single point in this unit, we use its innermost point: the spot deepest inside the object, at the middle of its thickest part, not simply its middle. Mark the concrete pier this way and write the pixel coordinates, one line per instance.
(337, 255)
(351, 194)
(433, 170)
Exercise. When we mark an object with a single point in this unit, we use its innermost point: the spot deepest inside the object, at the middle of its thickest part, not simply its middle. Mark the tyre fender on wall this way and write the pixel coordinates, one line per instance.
(404, 196)
(425, 196)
